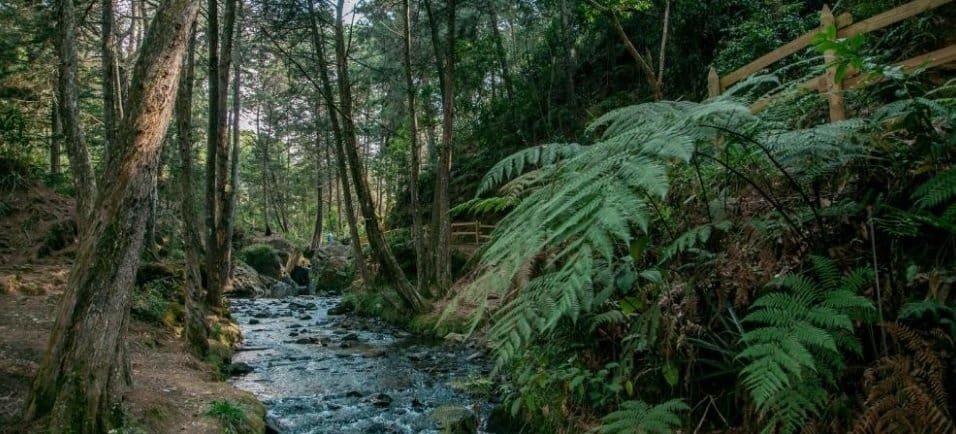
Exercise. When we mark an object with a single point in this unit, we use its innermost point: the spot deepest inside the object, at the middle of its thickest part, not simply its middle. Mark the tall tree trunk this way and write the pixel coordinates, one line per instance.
(318, 45)
(501, 53)
(218, 248)
(83, 179)
(569, 58)
(441, 226)
(329, 183)
(410, 92)
(264, 149)
(195, 330)
(233, 187)
(74, 384)
(376, 237)
(317, 229)
(212, 144)
(56, 135)
(644, 64)
(109, 79)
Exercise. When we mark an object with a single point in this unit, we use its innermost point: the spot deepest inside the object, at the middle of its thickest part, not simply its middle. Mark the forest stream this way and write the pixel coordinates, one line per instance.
(322, 373)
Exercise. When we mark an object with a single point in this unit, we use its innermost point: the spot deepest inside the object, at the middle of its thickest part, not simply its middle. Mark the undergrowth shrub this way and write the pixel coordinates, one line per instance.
(232, 416)
(151, 301)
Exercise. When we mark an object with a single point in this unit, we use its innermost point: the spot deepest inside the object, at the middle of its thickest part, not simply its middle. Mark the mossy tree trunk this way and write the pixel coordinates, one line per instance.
(218, 186)
(318, 46)
(196, 330)
(74, 386)
(418, 235)
(376, 237)
(69, 113)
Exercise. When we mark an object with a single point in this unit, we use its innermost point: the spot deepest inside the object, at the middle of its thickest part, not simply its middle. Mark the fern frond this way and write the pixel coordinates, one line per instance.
(537, 156)
(938, 190)
(797, 342)
(637, 417)
(907, 390)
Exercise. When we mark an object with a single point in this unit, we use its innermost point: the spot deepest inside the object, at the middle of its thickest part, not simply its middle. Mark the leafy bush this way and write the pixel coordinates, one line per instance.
(263, 258)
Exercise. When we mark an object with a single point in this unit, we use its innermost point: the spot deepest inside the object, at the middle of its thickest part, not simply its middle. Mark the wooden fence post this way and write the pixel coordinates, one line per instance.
(713, 83)
(832, 87)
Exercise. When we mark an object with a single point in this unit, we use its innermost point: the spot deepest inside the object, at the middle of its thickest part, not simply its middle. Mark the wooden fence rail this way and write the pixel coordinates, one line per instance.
(827, 82)
(471, 232)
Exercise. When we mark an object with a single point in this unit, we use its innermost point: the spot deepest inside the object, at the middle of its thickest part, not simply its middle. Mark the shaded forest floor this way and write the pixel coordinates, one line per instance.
(172, 389)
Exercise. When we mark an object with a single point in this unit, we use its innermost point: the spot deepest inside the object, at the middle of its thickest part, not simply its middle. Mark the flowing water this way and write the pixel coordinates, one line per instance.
(322, 373)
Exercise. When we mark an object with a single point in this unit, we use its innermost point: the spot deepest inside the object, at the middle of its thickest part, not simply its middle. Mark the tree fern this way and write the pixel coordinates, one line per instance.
(588, 200)
(796, 348)
(638, 417)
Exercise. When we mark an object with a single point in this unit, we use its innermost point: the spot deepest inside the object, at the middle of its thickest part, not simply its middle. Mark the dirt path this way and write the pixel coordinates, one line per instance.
(172, 390)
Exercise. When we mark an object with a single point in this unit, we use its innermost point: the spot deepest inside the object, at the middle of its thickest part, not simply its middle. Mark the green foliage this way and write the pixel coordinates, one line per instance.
(595, 198)
(230, 415)
(150, 302)
(262, 258)
(637, 417)
(533, 157)
(795, 348)
(939, 190)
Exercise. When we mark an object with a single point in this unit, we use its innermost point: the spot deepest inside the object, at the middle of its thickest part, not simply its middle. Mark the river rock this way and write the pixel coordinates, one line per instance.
(308, 340)
(455, 338)
(332, 269)
(235, 369)
(282, 289)
(342, 308)
(455, 420)
(300, 275)
(381, 400)
(246, 282)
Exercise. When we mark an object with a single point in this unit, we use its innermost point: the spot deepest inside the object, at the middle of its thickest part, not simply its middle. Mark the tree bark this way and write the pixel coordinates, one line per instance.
(219, 248)
(196, 331)
(74, 384)
(501, 53)
(56, 135)
(569, 58)
(410, 92)
(264, 160)
(234, 159)
(79, 156)
(441, 226)
(317, 229)
(318, 45)
(389, 266)
(109, 71)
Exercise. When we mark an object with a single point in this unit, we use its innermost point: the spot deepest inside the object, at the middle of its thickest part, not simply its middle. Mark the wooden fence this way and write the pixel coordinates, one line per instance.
(470, 233)
(827, 82)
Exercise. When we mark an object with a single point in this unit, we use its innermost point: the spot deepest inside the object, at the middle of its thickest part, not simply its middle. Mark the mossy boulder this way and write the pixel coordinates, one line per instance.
(455, 420)
(247, 282)
(332, 269)
(263, 258)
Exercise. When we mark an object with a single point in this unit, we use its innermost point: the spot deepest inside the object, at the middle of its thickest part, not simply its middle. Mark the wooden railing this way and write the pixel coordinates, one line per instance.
(827, 83)
(470, 232)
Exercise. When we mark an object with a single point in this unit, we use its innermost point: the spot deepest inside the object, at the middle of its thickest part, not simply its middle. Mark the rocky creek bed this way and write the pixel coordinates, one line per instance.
(322, 373)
